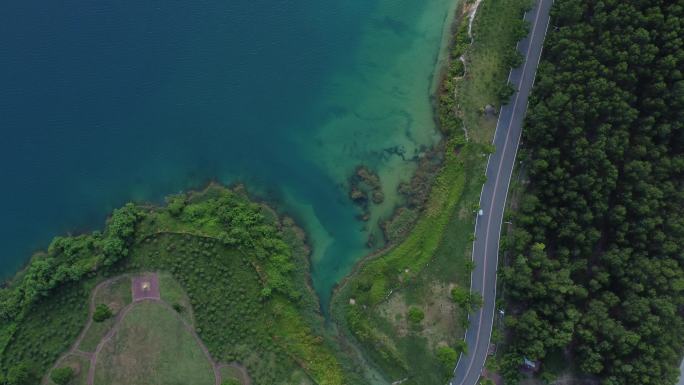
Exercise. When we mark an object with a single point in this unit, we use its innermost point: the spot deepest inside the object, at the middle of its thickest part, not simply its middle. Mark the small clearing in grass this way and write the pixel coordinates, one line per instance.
(441, 316)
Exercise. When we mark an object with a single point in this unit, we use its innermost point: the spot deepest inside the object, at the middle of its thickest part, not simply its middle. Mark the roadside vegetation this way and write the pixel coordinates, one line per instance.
(595, 282)
(398, 305)
(244, 269)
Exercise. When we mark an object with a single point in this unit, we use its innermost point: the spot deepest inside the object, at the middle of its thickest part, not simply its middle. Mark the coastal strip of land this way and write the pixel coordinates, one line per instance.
(493, 199)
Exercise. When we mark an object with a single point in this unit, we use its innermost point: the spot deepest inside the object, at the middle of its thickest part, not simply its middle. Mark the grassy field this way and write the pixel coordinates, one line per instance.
(399, 348)
(116, 296)
(495, 34)
(405, 261)
(153, 347)
(172, 292)
(231, 317)
(421, 270)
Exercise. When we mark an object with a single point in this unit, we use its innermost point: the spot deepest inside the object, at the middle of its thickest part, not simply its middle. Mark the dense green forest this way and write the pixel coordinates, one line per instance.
(595, 270)
(244, 269)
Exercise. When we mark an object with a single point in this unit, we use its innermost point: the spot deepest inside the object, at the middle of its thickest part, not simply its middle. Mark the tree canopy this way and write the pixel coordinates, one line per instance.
(596, 264)
(62, 376)
(102, 313)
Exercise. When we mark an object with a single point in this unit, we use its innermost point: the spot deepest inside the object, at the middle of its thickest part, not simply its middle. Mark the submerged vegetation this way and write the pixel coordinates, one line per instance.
(365, 190)
(365, 186)
(596, 275)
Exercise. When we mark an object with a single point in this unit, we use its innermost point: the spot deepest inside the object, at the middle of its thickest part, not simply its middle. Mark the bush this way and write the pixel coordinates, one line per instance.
(505, 92)
(514, 59)
(465, 299)
(521, 29)
(176, 204)
(461, 347)
(19, 375)
(457, 68)
(415, 315)
(475, 301)
(62, 376)
(447, 356)
(460, 296)
(102, 313)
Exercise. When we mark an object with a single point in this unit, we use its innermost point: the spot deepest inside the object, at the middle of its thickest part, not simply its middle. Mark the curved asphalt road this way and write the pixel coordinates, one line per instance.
(493, 198)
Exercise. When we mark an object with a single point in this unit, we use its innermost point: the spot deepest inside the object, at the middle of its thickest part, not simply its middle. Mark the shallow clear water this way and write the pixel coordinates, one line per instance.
(102, 102)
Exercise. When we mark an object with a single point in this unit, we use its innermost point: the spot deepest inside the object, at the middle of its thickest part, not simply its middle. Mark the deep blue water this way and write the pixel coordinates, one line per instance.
(106, 101)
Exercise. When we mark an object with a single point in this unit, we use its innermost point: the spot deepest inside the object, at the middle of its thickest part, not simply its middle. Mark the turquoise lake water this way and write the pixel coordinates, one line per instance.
(103, 102)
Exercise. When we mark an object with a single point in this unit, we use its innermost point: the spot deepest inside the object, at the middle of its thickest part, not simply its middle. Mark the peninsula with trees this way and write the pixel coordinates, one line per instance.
(229, 289)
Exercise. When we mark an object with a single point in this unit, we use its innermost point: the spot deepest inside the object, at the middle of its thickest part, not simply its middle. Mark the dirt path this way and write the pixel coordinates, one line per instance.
(74, 350)
(216, 368)
(241, 369)
(117, 324)
(92, 357)
(469, 12)
(471, 16)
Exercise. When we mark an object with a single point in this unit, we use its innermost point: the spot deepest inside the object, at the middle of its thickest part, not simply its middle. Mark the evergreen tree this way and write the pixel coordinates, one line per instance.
(598, 256)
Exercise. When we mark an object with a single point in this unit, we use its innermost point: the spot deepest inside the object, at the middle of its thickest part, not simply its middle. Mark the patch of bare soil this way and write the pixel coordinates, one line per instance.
(440, 324)
(394, 310)
(465, 213)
